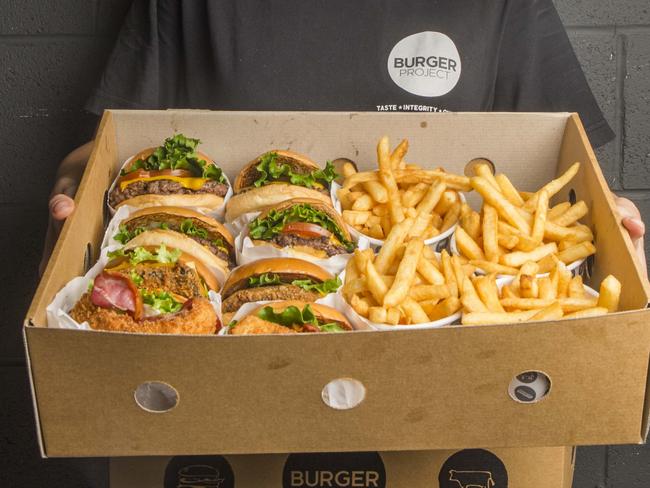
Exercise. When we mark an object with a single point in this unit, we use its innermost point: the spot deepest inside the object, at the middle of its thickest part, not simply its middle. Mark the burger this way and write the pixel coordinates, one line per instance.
(208, 238)
(276, 279)
(309, 227)
(150, 289)
(173, 174)
(290, 317)
(276, 176)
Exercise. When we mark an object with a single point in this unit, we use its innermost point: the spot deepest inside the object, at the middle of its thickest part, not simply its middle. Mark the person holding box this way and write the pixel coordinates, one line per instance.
(413, 55)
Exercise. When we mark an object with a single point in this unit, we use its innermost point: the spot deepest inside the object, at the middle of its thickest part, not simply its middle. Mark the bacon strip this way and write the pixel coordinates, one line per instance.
(114, 290)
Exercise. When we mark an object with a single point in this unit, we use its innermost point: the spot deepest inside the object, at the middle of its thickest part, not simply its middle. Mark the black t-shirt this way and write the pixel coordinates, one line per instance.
(358, 55)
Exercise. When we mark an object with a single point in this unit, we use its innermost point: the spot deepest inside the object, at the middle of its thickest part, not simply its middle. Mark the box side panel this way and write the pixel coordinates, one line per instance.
(435, 139)
(524, 468)
(451, 386)
(84, 227)
(615, 252)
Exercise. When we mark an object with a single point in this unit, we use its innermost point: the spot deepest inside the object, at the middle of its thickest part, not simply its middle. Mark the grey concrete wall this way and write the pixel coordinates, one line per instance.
(51, 54)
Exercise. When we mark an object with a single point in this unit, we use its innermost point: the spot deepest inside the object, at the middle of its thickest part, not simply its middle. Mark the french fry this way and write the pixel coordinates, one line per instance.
(553, 186)
(490, 234)
(528, 286)
(364, 202)
(372, 220)
(559, 209)
(377, 315)
(484, 170)
(517, 258)
(529, 268)
(487, 290)
(397, 156)
(351, 270)
(348, 169)
(552, 312)
(393, 316)
(429, 306)
(385, 223)
(526, 303)
(510, 291)
(451, 217)
(539, 223)
(576, 287)
(572, 215)
(490, 267)
(359, 305)
(471, 223)
(459, 272)
(387, 178)
(414, 194)
(377, 191)
(467, 246)
(355, 217)
(445, 308)
(508, 190)
(506, 209)
(436, 220)
(555, 232)
(610, 293)
(421, 293)
(379, 210)
(454, 182)
(546, 288)
(393, 241)
(448, 271)
(563, 279)
(425, 207)
(587, 312)
(430, 254)
(344, 197)
(376, 232)
(405, 275)
(449, 198)
(429, 272)
(413, 311)
(574, 253)
(492, 318)
(375, 283)
(355, 286)
(570, 305)
(361, 258)
(470, 299)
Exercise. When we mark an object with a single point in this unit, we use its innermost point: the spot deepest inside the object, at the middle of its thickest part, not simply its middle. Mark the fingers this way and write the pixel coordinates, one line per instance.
(61, 206)
(630, 217)
(635, 227)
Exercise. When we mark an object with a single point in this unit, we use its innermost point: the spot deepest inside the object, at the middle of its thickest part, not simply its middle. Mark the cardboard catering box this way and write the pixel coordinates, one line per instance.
(444, 388)
(546, 467)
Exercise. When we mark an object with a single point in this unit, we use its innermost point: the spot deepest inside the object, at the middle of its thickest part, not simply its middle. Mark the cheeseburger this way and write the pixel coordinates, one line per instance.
(212, 242)
(276, 279)
(309, 227)
(151, 289)
(276, 176)
(172, 174)
(290, 317)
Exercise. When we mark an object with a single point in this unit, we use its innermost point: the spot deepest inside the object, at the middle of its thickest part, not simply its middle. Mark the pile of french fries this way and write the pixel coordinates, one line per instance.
(515, 227)
(404, 283)
(529, 297)
(373, 202)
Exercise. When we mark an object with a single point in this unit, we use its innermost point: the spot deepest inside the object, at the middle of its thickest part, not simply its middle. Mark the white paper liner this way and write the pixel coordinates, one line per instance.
(574, 267)
(329, 300)
(379, 242)
(248, 252)
(57, 311)
(217, 213)
(239, 225)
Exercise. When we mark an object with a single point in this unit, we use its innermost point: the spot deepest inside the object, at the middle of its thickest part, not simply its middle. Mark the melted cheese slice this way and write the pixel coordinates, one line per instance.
(191, 183)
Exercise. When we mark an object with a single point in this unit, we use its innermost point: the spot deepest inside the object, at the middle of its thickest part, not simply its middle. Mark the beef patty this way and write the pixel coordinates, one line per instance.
(322, 243)
(162, 187)
(273, 292)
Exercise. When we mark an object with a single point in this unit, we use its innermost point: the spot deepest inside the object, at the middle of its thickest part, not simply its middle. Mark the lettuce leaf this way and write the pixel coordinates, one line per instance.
(124, 235)
(188, 227)
(265, 279)
(271, 169)
(271, 279)
(271, 225)
(292, 315)
(179, 152)
(140, 254)
(161, 301)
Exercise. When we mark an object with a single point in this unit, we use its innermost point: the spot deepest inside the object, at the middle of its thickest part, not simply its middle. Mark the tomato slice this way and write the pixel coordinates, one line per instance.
(141, 173)
(304, 229)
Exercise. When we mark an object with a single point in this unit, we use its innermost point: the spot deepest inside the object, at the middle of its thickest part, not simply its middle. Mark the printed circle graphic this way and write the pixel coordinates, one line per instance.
(425, 64)
(473, 468)
(334, 470)
(199, 472)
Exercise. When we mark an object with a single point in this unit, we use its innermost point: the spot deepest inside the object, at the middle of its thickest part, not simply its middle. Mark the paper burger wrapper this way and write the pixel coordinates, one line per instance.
(248, 252)
(375, 243)
(329, 300)
(240, 224)
(574, 267)
(58, 311)
(217, 213)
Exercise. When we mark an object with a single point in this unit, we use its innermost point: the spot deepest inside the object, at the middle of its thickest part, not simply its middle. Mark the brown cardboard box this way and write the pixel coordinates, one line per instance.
(550, 467)
(426, 389)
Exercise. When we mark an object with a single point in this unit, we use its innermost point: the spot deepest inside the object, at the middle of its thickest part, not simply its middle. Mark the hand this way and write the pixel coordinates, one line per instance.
(631, 220)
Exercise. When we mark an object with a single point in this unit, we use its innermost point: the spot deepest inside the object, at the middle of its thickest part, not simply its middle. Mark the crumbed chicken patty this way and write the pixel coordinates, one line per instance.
(177, 278)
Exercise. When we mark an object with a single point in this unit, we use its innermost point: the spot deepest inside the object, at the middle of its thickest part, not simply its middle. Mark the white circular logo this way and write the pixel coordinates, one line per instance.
(425, 64)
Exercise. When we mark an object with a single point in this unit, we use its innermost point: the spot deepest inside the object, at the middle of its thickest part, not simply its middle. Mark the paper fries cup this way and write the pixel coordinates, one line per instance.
(375, 243)
(217, 213)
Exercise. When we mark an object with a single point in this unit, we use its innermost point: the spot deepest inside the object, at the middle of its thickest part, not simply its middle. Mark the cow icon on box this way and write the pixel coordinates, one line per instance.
(472, 479)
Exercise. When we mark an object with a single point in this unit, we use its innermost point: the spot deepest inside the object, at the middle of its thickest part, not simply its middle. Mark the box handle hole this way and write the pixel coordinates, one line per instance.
(343, 393)
(88, 257)
(156, 396)
(469, 167)
(529, 387)
(572, 197)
